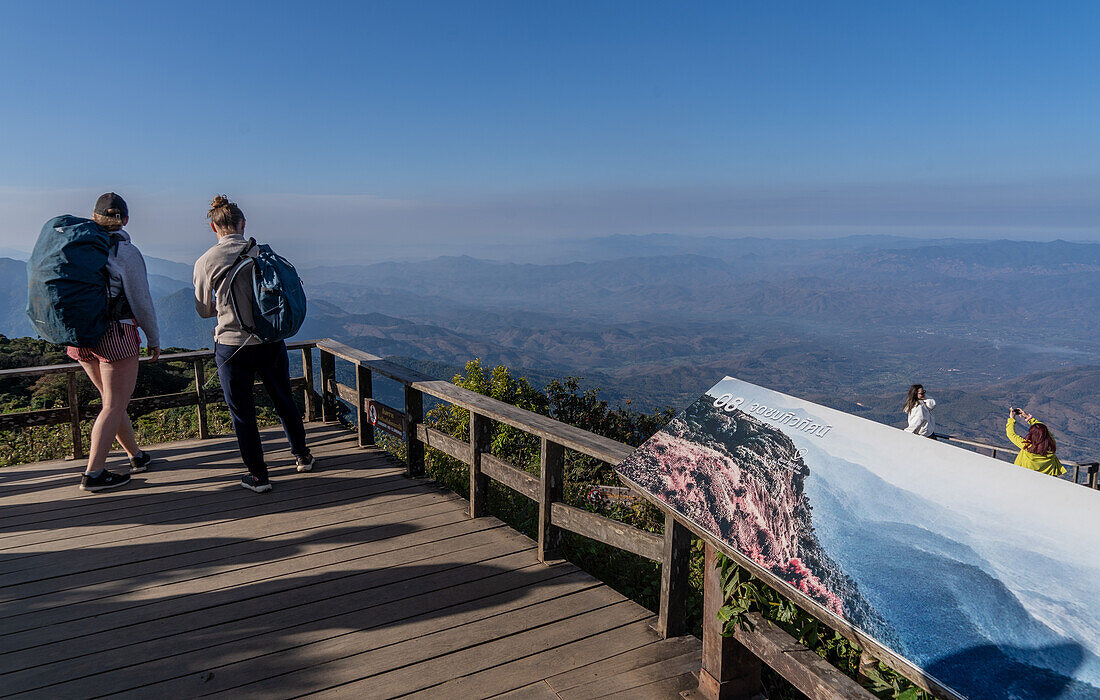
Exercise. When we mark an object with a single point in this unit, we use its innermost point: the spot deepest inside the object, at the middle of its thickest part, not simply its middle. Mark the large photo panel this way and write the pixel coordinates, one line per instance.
(982, 574)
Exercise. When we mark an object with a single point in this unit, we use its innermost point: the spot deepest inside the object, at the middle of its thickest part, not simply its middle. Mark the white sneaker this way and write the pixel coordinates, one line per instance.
(141, 462)
(253, 484)
(305, 464)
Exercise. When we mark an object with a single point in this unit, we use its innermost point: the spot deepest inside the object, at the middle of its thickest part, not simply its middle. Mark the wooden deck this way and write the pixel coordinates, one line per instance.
(353, 581)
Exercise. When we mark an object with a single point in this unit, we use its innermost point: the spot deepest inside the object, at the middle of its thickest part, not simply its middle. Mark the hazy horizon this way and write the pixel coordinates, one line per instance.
(532, 251)
(166, 231)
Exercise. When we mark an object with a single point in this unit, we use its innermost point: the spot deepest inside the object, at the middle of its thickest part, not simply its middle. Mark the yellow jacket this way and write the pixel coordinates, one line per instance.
(1047, 464)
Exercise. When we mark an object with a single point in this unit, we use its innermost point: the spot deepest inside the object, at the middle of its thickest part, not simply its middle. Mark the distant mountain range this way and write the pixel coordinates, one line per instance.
(616, 247)
(847, 322)
(976, 283)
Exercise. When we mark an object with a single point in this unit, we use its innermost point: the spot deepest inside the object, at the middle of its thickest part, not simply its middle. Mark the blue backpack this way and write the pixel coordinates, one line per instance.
(67, 294)
(278, 300)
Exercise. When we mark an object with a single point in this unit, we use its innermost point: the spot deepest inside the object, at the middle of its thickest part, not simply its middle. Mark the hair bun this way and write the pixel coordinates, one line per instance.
(224, 214)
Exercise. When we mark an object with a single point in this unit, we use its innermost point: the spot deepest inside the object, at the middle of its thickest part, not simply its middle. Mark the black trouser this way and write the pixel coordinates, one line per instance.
(237, 373)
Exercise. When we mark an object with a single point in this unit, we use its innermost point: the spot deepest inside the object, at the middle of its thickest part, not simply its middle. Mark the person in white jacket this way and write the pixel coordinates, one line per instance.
(919, 409)
(112, 365)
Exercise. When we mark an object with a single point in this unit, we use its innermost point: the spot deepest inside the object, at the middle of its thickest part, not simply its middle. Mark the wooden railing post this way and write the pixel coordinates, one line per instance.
(479, 482)
(1090, 478)
(729, 670)
(200, 396)
(328, 376)
(74, 417)
(307, 371)
(672, 614)
(867, 665)
(414, 416)
(363, 393)
(552, 480)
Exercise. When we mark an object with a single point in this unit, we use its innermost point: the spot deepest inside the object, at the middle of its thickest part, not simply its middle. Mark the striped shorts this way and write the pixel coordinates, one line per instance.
(120, 342)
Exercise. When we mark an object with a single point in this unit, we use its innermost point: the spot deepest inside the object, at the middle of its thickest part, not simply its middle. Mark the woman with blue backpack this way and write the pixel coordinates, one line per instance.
(88, 289)
(258, 300)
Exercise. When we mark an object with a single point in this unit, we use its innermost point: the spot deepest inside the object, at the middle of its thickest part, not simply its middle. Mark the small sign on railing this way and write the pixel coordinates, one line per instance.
(388, 420)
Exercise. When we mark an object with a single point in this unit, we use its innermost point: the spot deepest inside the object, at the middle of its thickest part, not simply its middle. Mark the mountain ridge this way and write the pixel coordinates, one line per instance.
(842, 321)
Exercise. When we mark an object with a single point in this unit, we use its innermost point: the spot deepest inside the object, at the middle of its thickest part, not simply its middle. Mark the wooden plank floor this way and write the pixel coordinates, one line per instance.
(352, 581)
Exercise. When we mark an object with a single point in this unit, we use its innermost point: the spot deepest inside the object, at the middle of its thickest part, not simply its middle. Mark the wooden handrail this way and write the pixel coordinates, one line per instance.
(670, 550)
(73, 413)
(173, 357)
(1007, 449)
(578, 439)
(1092, 469)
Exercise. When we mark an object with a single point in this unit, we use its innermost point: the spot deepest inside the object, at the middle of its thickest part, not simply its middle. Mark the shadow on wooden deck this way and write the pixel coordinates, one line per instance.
(352, 581)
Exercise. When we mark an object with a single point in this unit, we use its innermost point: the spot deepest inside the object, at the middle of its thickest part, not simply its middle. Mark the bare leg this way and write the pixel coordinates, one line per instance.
(118, 379)
(125, 435)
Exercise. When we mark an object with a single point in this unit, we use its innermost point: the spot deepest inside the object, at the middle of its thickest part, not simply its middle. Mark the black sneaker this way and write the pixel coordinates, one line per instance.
(105, 480)
(305, 464)
(254, 484)
(141, 462)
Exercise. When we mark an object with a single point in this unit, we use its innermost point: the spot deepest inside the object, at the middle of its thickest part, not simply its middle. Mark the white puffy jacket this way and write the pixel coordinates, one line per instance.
(920, 418)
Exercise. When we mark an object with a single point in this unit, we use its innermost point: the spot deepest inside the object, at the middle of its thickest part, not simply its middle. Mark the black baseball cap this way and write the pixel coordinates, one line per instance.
(111, 204)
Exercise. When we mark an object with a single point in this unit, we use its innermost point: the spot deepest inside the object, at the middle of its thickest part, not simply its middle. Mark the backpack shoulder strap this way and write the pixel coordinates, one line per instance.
(243, 261)
(117, 305)
(232, 269)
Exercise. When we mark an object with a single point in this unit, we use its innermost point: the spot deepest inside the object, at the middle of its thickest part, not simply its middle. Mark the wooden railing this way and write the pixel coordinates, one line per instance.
(1090, 469)
(74, 413)
(730, 665)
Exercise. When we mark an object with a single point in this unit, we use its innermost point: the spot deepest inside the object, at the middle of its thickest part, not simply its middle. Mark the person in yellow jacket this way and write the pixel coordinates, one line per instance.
(1037, 449)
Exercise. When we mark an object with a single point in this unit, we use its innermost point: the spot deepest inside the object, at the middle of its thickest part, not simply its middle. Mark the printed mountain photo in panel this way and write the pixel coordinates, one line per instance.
(970, 568)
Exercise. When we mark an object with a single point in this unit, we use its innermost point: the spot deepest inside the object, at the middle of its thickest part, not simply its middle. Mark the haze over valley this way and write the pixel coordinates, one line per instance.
(848, 322)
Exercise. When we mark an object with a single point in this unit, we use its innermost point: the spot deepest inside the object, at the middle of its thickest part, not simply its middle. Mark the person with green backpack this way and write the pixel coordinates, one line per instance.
(87, 288)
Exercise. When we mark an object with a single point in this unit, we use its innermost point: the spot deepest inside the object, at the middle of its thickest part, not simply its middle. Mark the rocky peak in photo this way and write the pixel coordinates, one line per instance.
(743, 480)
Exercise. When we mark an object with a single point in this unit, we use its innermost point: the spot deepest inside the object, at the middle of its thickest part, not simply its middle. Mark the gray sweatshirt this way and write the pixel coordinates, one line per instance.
(209, 302)
(126, 274)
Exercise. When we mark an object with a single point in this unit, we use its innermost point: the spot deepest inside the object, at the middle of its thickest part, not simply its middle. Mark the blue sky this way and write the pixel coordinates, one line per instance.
(414, 126)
